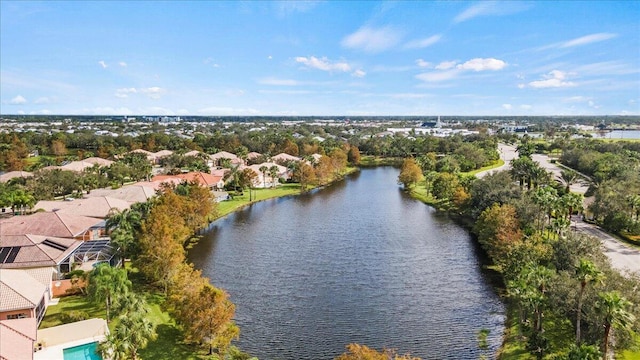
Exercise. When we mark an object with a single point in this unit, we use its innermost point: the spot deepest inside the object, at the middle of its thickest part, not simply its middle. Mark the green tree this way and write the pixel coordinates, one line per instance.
(586, 272)
(410, 174)
(615, 311)
(106, 284)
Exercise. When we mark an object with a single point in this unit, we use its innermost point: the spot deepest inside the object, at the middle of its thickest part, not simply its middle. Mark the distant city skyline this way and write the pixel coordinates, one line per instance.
(347, 58)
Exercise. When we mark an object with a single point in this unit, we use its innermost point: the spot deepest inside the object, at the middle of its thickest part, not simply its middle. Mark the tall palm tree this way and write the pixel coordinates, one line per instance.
(273, 172)
(615, 310)
(568, 177)
(263, 169)
(586, 272)
(107, 284)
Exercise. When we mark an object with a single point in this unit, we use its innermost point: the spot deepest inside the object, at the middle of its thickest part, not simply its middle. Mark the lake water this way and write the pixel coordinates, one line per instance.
(618, 134)
(358, 261)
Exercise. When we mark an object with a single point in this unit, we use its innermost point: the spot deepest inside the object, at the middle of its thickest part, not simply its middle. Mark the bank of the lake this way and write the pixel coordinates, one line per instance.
(357, 261)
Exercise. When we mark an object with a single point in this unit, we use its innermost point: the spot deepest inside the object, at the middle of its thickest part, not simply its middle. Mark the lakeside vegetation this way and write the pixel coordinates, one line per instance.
(520, 217)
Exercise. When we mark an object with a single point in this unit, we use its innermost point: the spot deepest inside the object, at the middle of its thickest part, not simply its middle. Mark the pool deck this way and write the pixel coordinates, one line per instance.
(56, 339)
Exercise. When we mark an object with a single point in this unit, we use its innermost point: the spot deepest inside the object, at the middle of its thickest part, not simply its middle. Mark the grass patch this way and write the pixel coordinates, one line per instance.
(239, 201)
(496, 164)
(67, 304)
(633, 240)
(371, 161)
(513, 347)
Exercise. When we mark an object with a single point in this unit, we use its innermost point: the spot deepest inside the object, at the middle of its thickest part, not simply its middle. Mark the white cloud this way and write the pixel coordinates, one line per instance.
(323, 64)
(124, 92)
(438, 76)
(278, 82)
(409, 96)
(153, 92)
(422, 63)
(269, 57)
(446, 65)
(525, 107)
(103, 64)
(18, 100)
(553, 79)
(507, 106)
(21, 112)
(487, 8)
(521, 86)
(285, 8)
(372, 40)
(423, 43)
(122, 64)
(479, 64)
(358, 73)
(588, 39)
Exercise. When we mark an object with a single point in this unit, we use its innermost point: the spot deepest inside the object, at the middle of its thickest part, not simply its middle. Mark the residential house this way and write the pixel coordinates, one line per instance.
(265, 180)
(54, 224)
(138, 192)
(22, 296)
(283, 158)
(98, 207)
(28, 251)
(217, 158)
(79, 166)
(21, 334)
(207, 180)
(14, 174)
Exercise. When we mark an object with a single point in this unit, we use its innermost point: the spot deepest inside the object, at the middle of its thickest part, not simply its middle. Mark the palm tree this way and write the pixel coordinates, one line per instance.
(263, 169)
(273, 172)
(614, 308)
(586, 272)
(107, 284)
(568, 177)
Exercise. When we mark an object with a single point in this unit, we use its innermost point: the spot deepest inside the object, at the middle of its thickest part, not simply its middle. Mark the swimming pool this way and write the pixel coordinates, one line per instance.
(83, 352)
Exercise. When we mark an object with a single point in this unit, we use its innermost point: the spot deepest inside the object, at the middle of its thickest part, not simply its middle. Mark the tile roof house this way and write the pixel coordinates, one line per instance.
(21, 334)
(22, 296)
(267, 181)
(62, 225)
(138, 192)
(204, 179)
(14, 174)
(284, 157)
(225, 155)
(37, 251)
(79, 166)
(98, 207)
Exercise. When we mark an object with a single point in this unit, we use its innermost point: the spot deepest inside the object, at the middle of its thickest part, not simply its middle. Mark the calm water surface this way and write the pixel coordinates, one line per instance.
(359, 262)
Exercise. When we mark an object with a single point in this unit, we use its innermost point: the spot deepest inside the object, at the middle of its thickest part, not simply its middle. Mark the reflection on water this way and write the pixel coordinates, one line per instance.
(358, 261)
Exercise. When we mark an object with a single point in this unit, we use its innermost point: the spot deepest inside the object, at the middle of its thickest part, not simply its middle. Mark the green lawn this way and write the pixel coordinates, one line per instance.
(237, 202)
(513, 348)
(497, 164)
(67, 304)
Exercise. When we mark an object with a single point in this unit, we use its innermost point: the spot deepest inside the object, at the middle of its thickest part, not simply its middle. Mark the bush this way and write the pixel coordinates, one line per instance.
(71, 274)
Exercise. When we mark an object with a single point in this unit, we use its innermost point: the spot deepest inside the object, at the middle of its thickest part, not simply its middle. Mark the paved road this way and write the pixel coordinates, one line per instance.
(507, 153)
(623, 257)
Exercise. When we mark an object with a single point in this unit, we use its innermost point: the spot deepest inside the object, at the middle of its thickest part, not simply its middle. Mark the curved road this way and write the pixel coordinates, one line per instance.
(623, 257)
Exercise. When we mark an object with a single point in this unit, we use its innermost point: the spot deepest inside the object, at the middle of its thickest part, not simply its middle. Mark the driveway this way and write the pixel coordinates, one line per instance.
(623, 257)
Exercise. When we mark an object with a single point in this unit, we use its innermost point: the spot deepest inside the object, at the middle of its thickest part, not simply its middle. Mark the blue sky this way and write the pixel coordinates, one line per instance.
(320, 58)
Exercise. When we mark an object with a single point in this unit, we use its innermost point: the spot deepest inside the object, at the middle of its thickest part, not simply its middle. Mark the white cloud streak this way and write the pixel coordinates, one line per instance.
(588, 39)
(448, 70)
(103, 64)
(323, 64)
(479, 64)
(278, 82)
(490, 8)
(372, 40)
(423, 43)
